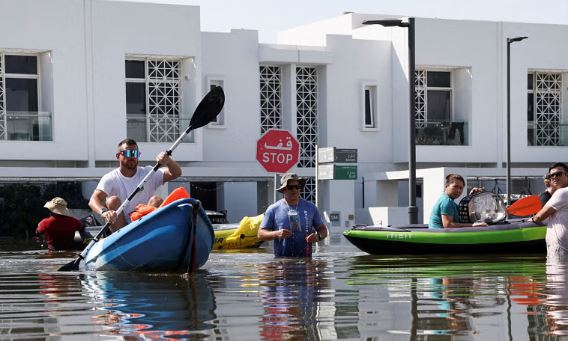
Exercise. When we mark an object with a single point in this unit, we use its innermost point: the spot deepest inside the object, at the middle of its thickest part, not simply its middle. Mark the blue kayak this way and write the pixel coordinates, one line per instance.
(161, 241)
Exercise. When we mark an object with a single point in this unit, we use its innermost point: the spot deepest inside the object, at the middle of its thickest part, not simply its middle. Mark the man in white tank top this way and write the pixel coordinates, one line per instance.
(115, 186)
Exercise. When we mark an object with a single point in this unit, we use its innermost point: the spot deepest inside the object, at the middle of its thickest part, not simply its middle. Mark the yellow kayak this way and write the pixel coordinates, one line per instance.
(241, 236)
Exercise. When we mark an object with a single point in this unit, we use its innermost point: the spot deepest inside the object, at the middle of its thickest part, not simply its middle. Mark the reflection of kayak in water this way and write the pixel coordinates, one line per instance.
(161, 241)
(238, 236)
(514, 237)
(373, 267)
(168, 305)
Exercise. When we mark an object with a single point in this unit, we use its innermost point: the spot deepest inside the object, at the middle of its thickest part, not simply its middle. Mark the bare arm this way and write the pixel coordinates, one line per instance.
(266, 235)
(321, 234)
(97, 201)
(448, 222)
(541, 215)
(173, 170)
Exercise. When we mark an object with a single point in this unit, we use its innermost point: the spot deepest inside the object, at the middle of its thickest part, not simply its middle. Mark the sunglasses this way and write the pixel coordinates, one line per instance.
(555, 175)
(291, 187)
(131, 153)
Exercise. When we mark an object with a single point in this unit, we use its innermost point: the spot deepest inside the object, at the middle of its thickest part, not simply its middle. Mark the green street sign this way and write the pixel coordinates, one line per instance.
(345, 172)
(337, 172)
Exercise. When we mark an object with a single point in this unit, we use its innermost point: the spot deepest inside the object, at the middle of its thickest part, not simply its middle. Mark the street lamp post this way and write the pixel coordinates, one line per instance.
(509, 41)
(412, 209)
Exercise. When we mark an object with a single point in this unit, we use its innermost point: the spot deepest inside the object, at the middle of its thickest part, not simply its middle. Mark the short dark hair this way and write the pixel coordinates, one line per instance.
(558, 164)
(450, 178)
(128, 142)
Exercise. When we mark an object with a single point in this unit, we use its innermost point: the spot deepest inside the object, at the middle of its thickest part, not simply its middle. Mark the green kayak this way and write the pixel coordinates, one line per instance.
(514, 237)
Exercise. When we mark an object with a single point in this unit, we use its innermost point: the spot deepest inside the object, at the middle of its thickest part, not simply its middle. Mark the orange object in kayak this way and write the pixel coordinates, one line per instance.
(143, 209)
(140, 211)
(176, 194)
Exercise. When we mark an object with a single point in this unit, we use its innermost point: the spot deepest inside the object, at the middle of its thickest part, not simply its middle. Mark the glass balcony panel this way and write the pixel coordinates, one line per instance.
(547, 134)
(28, 126)
(442, 133)
(167, 129)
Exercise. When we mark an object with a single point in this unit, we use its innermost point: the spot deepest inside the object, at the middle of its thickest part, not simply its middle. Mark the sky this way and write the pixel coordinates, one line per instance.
(270, 16)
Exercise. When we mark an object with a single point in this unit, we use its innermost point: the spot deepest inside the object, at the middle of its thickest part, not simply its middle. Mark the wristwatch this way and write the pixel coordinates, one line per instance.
(103, 210)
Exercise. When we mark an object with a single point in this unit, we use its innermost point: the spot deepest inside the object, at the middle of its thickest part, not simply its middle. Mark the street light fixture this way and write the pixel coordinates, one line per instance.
(509, 41)
(412, 209)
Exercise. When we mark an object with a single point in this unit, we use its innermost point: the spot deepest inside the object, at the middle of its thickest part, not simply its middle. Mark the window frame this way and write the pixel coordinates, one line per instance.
(372, 87)
(27, 76)
(147, 80)
(220, 121)
(441, 89)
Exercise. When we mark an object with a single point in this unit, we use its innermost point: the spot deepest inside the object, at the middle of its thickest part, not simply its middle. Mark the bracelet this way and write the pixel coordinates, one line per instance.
(103, 210)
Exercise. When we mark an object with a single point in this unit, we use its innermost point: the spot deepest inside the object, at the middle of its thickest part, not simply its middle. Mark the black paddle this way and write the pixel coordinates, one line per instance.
(209, 107)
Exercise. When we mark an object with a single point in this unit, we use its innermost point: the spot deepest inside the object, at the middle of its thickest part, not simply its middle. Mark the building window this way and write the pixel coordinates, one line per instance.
(433, 93)
(270, 98)
(20, 118)
(307, 114)
(370, 107)
(153, 99)
(219, 121)
(544, 108)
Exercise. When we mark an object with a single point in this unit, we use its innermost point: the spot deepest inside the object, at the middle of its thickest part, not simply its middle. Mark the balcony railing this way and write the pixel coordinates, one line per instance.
(442, 133)
(150, 129)
(547, 134)
(26, 126)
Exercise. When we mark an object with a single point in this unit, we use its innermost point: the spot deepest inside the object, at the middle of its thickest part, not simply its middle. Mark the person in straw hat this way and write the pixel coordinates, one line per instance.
(292, 222)
(60, 227)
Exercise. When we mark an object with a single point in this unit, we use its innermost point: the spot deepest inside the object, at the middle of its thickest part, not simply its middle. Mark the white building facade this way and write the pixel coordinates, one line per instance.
(76, 77)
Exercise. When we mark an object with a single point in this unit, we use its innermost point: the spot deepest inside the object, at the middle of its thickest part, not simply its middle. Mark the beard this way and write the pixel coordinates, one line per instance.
(130, 164)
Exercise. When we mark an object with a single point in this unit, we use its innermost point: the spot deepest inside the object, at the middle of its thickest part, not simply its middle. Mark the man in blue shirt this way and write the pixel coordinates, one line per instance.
(445, 213)
(292, 222)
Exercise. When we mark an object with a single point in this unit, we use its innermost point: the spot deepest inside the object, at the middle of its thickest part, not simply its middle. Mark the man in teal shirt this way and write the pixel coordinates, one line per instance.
(445, 213)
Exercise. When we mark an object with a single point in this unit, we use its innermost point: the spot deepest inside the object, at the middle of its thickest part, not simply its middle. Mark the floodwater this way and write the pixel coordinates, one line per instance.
(342, 293)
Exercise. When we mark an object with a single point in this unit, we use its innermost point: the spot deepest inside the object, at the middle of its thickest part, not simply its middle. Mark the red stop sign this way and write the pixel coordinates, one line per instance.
(277, 150)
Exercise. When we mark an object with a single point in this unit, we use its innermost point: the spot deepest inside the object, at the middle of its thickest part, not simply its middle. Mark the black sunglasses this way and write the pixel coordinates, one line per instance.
(556, 175)
(291, 187)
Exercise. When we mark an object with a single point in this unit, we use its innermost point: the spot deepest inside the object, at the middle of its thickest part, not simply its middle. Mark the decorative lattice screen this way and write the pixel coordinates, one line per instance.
(270, 99)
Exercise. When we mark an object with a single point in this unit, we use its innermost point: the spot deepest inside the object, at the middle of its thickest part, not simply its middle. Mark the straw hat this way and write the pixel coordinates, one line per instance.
(290, 176)
(57, 205)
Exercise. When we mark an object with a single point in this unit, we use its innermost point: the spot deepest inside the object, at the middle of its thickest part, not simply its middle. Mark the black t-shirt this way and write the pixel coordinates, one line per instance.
(544, 197)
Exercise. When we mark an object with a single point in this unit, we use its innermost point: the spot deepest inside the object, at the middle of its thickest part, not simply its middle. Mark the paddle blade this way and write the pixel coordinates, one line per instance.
(209, 107)
(526, 206)
(71, 266)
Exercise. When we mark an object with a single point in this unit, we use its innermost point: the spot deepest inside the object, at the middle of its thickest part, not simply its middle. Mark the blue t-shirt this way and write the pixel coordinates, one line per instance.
(276, 218)
(444, 205)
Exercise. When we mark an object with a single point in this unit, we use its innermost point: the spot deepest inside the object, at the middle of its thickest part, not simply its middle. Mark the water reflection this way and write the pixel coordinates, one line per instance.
(152, 305)
(294, 302)
(556, 302)
(463, 297)
(340, 294)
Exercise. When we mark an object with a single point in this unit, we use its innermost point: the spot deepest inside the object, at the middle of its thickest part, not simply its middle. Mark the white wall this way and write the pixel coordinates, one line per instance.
(242, 199)
(41, 26)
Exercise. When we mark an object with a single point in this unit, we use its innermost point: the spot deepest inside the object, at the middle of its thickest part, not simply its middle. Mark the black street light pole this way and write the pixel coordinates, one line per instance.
(412, 209)
(509, 41)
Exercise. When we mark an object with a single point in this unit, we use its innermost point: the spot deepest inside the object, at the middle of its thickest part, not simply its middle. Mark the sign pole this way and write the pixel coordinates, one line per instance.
(316, 178)
(275, 187)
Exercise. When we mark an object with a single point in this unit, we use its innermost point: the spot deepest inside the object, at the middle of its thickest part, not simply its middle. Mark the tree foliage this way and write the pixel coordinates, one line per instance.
(21, 205)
